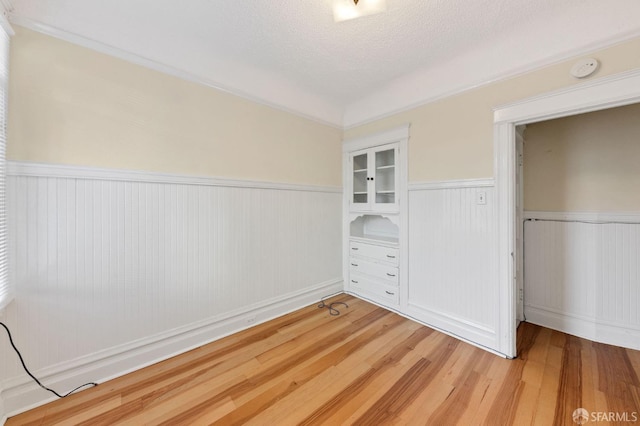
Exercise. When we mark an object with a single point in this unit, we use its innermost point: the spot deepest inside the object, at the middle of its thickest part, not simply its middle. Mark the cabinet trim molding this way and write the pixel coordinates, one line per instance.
(381, 138)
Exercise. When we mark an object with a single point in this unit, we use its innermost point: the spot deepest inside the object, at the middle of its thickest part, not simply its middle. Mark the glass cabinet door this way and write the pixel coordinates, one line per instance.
(385, 176)
(360, 179)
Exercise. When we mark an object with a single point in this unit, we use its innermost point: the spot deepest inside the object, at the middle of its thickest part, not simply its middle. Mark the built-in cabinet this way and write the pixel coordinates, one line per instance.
(375, 179)
(375, 217)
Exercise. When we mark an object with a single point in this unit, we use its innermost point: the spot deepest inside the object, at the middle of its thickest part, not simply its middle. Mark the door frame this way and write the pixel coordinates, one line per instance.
(594, 95)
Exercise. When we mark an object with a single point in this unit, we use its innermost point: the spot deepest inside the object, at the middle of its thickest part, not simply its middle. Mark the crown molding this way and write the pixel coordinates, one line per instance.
(362, 112)
(392, 100)
(333, 119)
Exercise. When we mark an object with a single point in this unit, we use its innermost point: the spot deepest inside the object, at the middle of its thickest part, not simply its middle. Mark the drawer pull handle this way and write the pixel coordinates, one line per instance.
(354, 264)
(391, 257)
(391, 275)
(354, 281)
(354, 248)
(388, 292)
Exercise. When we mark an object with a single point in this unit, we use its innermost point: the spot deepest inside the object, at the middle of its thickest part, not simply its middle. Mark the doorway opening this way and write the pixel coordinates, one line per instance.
(578, 236)
(608, 92)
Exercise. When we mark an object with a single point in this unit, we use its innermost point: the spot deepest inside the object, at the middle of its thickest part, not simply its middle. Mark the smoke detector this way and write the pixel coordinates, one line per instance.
(584, 68)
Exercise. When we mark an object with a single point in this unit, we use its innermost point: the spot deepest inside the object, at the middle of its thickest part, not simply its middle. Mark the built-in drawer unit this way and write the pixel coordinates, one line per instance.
(378, 291)
(380, 271)
(374, 271)
(376, 252)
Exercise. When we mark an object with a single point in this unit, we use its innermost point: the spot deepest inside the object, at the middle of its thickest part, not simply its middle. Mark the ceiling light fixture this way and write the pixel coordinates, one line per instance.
(344, 10)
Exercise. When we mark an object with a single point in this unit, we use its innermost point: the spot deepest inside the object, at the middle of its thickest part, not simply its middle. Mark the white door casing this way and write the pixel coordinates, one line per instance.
(607, 92)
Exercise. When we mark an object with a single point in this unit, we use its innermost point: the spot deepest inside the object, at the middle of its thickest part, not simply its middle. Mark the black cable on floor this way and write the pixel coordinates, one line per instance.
(332, 311)
(34, 377)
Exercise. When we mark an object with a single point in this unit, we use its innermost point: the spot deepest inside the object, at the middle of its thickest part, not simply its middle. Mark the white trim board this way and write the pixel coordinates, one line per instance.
(592, 95)
(3, 416)
(360, 113)
(596, 217)
(452, 184)
(587, 328)
(23, 394)
(395, 134)
(23, 168)
(342, 117)
(482, 334)
(430, 325)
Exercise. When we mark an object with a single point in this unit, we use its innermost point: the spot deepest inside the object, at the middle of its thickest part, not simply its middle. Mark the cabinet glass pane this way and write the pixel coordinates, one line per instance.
(385, 177)
(360, 178)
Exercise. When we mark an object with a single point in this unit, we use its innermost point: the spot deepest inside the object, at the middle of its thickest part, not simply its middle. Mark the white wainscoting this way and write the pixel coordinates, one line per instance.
(3, 415)
(115, 270)
(582, 275)
(452, 258)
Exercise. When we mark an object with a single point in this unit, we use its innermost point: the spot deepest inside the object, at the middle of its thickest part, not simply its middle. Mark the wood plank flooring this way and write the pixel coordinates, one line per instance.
(367, 366)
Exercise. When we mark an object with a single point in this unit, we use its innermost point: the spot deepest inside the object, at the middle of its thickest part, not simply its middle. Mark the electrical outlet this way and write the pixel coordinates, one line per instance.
(521, 295)
(251, 320)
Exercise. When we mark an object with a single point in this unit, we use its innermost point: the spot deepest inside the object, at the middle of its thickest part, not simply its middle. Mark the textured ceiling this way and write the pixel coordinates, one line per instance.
(291, 53)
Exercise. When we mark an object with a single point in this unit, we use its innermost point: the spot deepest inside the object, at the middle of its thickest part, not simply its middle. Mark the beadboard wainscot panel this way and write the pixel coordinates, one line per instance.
(115, 270)
(582, 274)
(3, 416)
(452, 258)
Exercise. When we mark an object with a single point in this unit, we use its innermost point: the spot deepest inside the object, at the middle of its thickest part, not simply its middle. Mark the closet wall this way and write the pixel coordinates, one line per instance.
(582, 251)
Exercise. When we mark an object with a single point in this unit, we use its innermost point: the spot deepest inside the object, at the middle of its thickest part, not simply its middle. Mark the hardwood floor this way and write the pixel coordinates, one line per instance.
(367, 366)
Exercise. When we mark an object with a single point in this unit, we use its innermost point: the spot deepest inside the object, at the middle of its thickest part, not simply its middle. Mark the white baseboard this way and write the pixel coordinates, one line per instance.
(481, 335)
(587, 328)
(420, 319)
(22, 394)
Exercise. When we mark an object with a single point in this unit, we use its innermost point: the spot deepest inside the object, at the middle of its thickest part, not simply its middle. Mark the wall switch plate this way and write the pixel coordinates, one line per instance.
(481, 198)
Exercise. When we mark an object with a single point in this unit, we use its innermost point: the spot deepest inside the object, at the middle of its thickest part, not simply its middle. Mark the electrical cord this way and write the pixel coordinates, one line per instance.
(332, 311)
(34, 377)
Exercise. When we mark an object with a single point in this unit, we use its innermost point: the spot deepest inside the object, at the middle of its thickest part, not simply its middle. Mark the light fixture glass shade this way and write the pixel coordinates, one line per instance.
(344, 10)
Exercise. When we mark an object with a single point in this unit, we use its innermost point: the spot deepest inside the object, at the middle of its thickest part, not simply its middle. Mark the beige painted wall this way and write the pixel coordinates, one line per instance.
(71, 105)
(453, 138)
(587, 162)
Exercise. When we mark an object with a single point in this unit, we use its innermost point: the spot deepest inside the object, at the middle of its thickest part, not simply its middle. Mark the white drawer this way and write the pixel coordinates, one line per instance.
(377, 291)
(388, 273)
(379, 253)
